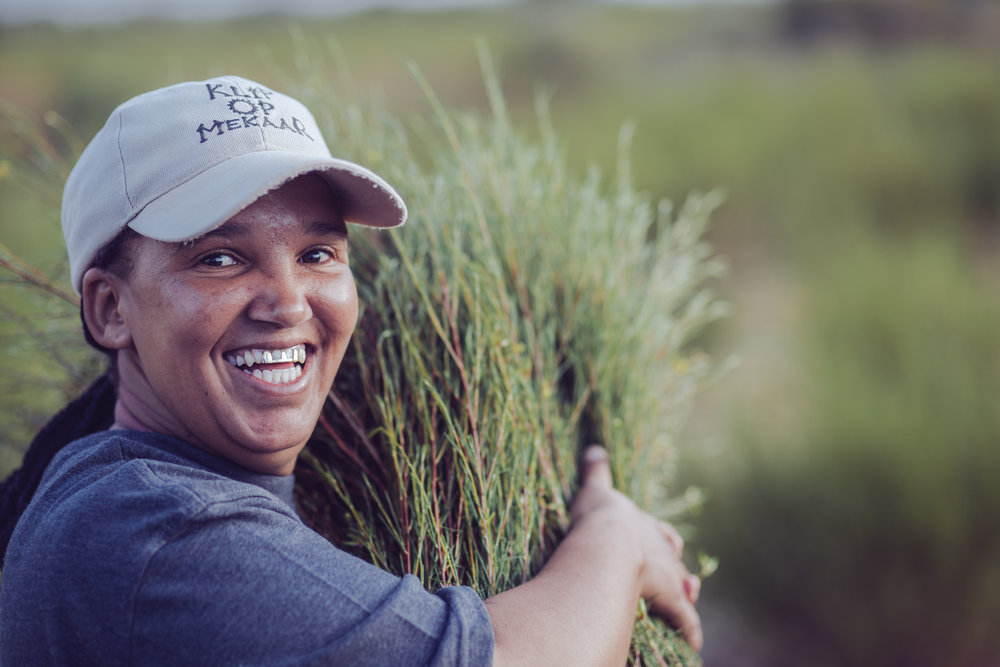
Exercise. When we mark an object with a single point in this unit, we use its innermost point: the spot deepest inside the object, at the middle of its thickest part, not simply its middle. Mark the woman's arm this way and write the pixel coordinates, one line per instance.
(581, 607)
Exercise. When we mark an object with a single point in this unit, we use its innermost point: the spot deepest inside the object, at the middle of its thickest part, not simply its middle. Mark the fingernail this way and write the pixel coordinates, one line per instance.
(595, 453)
(692, 587)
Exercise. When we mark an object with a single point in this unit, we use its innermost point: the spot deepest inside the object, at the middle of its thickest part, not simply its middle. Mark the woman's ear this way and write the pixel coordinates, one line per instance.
(101, 295)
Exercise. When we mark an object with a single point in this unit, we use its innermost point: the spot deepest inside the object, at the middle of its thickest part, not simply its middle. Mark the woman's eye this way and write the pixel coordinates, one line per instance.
(219, 260)
(316, 256)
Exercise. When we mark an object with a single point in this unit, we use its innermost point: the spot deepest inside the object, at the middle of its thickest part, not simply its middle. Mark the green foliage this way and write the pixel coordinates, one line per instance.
(520, 315)
(39, 317)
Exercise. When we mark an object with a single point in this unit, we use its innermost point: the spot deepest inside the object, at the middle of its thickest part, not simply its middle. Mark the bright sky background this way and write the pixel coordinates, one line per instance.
(115, 11)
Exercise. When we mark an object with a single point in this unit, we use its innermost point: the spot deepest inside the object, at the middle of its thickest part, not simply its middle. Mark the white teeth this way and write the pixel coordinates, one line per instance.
(248, 358)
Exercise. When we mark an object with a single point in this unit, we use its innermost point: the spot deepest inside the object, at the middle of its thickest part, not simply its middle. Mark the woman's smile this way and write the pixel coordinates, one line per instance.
(280, 366)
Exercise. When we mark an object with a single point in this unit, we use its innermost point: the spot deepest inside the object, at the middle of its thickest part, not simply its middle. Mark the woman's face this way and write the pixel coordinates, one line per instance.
(236, 337)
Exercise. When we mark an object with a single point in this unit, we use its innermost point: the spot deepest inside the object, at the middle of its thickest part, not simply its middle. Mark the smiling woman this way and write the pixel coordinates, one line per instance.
(213, 268)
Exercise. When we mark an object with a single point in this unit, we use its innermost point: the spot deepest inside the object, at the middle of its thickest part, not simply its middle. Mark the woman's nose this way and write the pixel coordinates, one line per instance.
(281, 298)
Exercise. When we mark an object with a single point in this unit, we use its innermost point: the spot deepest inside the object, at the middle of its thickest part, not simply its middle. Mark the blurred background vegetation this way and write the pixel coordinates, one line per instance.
(849, 464)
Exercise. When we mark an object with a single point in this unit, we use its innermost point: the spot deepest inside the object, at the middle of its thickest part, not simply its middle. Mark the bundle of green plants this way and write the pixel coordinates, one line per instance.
(521, 314)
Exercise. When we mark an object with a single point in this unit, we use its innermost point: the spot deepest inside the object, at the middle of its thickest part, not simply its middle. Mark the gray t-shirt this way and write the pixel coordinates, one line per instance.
(139, 549)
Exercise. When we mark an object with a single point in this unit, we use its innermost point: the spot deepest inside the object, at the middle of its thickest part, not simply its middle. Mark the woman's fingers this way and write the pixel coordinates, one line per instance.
(690, 582)
(675, 603)
(596, 467)
(686, 619)
(674, 538)
(675, 589)
(692, 588)
(596, 487)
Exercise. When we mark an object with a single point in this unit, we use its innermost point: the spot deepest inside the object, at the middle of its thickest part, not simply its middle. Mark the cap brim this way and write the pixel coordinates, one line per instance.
(215, 195)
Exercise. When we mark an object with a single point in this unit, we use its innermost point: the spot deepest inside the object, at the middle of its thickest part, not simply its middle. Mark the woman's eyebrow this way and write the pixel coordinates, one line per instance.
(235, 229)
(326, 228)
(228, 230)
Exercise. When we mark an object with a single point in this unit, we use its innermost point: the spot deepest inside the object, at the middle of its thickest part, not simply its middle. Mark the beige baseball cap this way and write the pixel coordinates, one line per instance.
(177, 162)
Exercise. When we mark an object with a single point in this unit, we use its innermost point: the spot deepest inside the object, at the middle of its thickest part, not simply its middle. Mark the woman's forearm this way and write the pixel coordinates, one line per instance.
(580, 608)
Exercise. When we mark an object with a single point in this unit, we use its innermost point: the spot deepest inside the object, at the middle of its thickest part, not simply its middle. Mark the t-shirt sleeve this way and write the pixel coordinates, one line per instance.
(244, 584)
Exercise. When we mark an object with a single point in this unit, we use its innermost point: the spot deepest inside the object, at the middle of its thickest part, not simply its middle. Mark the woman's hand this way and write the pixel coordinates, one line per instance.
(580, 608)
(669, 589)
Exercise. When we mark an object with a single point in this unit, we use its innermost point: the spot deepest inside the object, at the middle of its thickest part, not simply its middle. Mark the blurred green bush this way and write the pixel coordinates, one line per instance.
(867, 532)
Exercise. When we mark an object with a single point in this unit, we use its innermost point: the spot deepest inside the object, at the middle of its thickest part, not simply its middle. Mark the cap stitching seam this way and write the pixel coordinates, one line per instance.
(121, 158)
